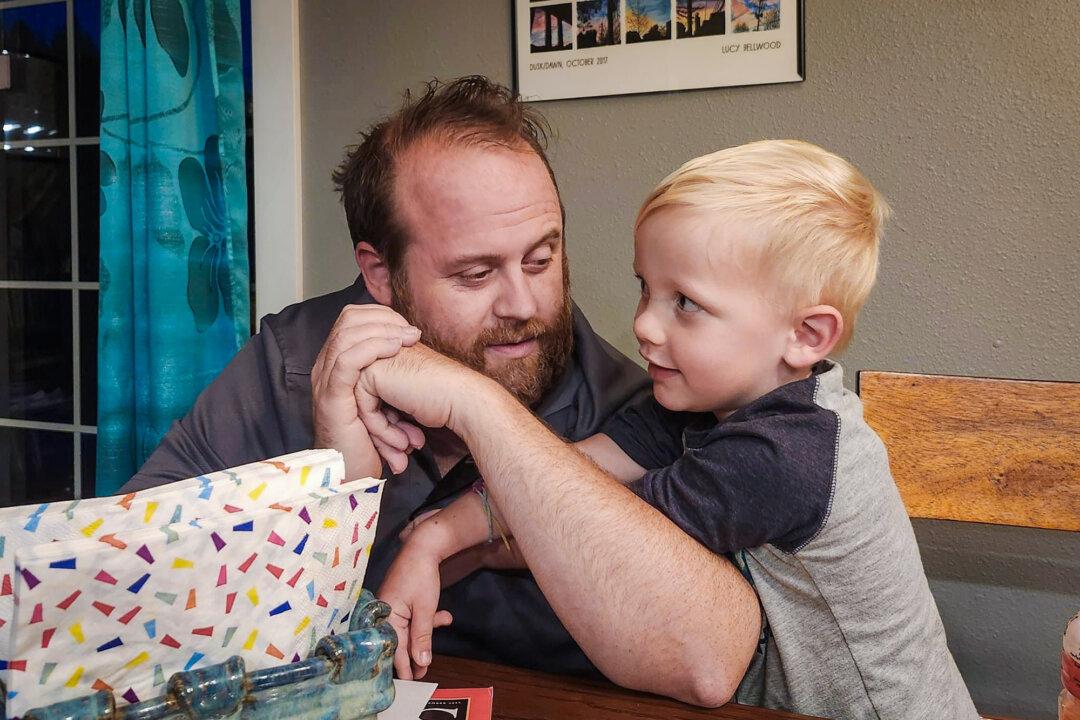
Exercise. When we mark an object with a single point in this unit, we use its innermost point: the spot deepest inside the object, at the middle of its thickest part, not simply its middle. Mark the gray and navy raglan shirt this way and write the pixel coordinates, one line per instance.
(796, 487)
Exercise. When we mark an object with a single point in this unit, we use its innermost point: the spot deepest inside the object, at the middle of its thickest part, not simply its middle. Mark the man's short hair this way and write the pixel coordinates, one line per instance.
(468, 111)
(819, 219)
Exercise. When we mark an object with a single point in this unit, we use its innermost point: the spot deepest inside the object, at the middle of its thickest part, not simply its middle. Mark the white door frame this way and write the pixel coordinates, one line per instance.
(275, 61)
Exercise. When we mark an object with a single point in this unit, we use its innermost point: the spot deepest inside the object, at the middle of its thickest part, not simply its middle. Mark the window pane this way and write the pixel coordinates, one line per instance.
(87, 66)
(88, 323)
(39, 463)
(35, 367)
(89, 162)
(35, 232)
(35, 41)
(89, 463)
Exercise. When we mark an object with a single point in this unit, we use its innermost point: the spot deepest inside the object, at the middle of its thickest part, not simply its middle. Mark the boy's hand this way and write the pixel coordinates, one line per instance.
(412, 590)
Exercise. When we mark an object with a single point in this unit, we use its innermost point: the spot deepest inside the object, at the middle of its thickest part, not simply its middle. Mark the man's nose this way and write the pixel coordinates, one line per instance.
(517, 299)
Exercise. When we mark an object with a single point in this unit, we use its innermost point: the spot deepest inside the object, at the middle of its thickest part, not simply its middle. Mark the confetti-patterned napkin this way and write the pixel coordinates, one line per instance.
(247, 487)
(123, 614)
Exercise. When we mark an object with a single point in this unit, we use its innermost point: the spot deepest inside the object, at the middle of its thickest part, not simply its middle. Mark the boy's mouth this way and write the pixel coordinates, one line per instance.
(659, 373)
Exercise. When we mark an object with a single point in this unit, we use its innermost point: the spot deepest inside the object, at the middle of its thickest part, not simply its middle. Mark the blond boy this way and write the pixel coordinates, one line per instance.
(754, 262)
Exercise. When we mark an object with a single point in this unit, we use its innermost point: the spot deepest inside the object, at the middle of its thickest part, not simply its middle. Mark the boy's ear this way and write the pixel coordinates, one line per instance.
(375, 271)
(817, 330)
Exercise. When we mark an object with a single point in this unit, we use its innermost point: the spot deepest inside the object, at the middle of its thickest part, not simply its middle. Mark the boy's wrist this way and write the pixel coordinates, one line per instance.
(432, 538)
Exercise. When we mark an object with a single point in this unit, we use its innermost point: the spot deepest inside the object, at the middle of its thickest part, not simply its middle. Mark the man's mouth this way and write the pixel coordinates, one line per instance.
(519, 349)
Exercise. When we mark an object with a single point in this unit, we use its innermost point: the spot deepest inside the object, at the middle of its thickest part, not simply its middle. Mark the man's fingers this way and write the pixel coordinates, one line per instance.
(333, 394)
(415, 434)
(394, 458)
(344, 371)
(371, 313)
(443, 618)
(343, 338)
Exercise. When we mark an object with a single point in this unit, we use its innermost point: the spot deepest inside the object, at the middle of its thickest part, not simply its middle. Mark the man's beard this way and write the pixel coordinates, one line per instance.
(528, 378)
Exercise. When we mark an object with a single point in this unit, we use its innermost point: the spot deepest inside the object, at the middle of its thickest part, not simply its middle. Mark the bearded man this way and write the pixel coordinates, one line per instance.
(457, 227)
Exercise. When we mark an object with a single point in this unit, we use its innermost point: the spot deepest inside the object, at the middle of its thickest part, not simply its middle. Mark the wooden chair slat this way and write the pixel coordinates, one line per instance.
(980, 450)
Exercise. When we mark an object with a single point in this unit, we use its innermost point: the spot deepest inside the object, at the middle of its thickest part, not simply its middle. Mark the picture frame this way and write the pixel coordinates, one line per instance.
(590, 48)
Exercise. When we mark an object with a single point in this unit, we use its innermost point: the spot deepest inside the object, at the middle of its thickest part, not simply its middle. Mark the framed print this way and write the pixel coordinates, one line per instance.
(587, 48)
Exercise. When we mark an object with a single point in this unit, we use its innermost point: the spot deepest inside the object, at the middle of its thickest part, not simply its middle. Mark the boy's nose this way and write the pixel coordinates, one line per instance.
(647, 328)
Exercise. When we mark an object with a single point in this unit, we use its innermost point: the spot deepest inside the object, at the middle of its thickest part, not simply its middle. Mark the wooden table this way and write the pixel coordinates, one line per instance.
(528, 695)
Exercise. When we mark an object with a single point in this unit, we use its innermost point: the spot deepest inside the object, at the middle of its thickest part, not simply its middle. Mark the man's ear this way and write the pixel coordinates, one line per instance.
(375, 271)
(817, 330)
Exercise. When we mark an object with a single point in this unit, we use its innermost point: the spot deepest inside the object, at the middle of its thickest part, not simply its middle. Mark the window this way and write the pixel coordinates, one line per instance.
(49, 68)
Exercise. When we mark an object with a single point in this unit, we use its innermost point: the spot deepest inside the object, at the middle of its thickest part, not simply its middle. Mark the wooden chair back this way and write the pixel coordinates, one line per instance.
(978, 449)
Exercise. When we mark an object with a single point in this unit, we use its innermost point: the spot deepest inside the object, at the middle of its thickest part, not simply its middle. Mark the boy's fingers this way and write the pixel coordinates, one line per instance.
(440, 619)
(420, 637)
(402, 666)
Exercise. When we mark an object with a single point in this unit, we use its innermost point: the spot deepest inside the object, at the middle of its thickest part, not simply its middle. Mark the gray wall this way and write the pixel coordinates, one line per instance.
(965, 114)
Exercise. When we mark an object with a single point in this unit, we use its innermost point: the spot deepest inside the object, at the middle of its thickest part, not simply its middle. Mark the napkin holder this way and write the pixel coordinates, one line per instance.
(348, 677)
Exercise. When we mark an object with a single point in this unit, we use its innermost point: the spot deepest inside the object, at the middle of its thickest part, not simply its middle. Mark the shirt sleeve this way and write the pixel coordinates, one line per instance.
(235, 420)
(649, 433)
(741, 490)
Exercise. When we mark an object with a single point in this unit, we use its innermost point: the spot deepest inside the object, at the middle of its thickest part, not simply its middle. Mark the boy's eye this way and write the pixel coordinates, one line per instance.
(686, 304)
(641, 283)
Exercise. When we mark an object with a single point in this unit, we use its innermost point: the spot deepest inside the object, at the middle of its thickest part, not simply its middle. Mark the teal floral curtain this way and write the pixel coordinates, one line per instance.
(174, 302)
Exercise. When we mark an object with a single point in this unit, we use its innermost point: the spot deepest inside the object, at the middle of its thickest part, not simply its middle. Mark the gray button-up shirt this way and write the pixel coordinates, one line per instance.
(260, 407)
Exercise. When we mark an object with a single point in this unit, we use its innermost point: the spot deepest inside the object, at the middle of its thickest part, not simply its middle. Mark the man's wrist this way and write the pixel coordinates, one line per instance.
(473, 407)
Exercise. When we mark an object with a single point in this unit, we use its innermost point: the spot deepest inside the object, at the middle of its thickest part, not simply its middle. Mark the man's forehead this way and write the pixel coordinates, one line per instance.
(472, 180)
(460, 195)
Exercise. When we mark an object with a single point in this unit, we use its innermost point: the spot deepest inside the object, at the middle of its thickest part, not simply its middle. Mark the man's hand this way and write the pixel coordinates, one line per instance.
(412, 590)
(347, 419)
(421, 383)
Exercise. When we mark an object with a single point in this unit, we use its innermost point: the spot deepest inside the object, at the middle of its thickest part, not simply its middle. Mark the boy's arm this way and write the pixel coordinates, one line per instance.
(467, 559)
(610, 566)
(603, 451)
(413, 582)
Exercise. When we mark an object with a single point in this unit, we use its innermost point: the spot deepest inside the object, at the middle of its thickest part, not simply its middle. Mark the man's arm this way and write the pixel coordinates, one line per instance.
(470, 553)
(235, 420)
(652, 608)
(241, 416)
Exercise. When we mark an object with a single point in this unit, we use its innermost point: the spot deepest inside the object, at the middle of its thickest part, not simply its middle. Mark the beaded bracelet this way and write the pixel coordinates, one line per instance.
(493, 525)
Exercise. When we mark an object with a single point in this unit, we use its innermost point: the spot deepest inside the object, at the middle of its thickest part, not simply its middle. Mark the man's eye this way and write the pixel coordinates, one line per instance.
(686, 304)
(539, 263)
(644, 287)
(475, 277)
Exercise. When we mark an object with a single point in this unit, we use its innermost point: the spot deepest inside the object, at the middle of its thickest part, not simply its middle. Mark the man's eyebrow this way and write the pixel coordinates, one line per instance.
(465, 261)
(550, 238)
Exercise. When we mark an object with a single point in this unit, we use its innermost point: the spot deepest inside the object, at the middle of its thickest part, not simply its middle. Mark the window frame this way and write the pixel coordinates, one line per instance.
(72, 142)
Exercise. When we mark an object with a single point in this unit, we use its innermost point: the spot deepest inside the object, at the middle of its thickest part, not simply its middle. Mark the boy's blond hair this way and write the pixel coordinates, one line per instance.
(819, 217)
